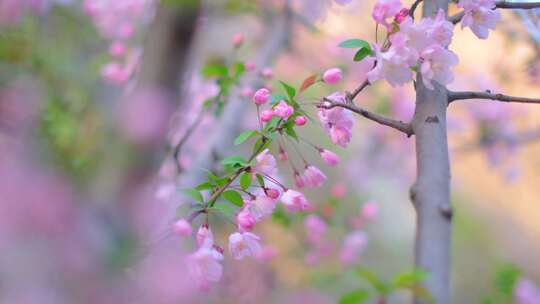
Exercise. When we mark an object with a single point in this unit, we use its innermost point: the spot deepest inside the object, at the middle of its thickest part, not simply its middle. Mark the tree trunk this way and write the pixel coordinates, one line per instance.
(431, 192)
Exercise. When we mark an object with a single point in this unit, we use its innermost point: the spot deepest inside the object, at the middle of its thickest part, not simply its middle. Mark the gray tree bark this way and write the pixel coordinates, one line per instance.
(431, 192)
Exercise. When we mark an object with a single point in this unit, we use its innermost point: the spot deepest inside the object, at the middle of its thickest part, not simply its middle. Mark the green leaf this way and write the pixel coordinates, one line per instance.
(363, 53)
(234, 197)
(373, 280)
(234, 161)
(506, 278)
(204, 186)
(289, 129)
(245, 136)
(195, 194)
(214, 70)
(354, 43)
(239, 68)
(407, 279)
(225, 209)
(354, 297)
(289, 89)
(245, 180)
(260, 180)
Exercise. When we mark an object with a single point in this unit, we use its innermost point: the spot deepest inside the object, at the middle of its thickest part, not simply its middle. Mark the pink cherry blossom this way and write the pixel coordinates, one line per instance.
(244, 244)
(338, 190)
(247, 92)
(117, 49)
(182, 227)
(250, 66)
(315, 228)
(267, 115)
(329, 157)
(245, 220)
(283, 156)
(261, 207)
(114, 73)
(273, 193)
(238, 39)
(314, 177)
(436, 65)
(267, 72)
(355, 242)
(299, 181)
(332, 76)
(402, 15)
(294, 201)
(369, 210)
(337, 122)
(525, 292)
(283, 110)
(204, 265)
(261, 96)
(266, 163)
(392, 66)
(204, 234)
(300, 120)
(439, 29)
(480, 16)
(385, 9)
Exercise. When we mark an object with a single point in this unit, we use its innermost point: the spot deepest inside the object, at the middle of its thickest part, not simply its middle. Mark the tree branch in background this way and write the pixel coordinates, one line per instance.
(487, 95)
(500, 4)
(227, 126)
(516, 139)
(385, 121)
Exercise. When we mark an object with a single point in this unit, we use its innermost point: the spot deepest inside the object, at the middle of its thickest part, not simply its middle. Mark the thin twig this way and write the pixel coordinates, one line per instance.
(389, 122)
(191, 129)
(487, 95)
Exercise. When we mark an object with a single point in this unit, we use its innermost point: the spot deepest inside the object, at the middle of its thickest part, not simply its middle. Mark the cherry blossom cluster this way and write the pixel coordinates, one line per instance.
(117, 21)
(251, 189)
(412, 46)
(422, 46)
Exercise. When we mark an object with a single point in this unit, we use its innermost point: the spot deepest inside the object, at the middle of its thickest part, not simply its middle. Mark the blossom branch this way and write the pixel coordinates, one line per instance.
(455, 19)
(389, 122)
(453, 96)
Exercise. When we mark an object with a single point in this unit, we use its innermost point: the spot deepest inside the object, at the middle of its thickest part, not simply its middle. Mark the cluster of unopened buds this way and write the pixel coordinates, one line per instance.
(117, 21)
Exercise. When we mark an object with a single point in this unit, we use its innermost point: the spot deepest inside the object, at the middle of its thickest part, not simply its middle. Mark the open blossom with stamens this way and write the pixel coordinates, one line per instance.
(391, 67)
(204, 265)
(337, 122)
(283, 110)
(385, 9)
(266, 163)
(314, 177)
(354, 243)
(244, 244)
(436, 65)
(480, 16)
(294, 201)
